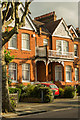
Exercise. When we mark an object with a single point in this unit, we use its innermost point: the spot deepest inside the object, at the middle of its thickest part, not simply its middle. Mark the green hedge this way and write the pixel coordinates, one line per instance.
(67, 92)
(78, 90)
(15, 90)
(33, 91)
(61, 92)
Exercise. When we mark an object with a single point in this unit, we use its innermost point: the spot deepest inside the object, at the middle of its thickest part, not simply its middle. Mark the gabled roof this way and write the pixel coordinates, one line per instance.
(52, 25)
(71, 27)
(28, 21)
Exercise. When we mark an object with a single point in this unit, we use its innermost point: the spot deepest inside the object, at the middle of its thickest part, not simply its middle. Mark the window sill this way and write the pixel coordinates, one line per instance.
(12, 48)
(68, 81)
(76, 57)
(26, 49)
(25, 81)
(14, 81)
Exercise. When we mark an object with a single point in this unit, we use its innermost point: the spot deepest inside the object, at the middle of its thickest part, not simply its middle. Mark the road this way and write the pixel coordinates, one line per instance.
(59, 113)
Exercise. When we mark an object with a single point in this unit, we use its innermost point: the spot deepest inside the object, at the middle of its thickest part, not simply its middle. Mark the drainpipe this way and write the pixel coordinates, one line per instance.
(51, 62)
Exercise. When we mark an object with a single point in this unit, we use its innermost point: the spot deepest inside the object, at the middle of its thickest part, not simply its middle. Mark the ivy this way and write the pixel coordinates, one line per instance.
(8, 58)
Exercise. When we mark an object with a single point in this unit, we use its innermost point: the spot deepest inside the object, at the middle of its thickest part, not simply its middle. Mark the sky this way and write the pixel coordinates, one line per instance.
(66, 10)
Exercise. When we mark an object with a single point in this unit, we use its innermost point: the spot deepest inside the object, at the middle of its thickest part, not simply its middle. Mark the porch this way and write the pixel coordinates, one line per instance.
(57, 72)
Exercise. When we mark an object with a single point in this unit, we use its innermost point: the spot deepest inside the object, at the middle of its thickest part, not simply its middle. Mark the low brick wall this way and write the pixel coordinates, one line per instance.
(30, 100)
(14, 97)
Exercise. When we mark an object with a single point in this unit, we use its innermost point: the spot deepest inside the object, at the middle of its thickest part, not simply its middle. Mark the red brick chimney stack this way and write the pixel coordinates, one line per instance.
(45, 17)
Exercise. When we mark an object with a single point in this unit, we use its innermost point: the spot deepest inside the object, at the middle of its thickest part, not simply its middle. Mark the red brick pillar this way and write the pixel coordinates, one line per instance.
(46, 72)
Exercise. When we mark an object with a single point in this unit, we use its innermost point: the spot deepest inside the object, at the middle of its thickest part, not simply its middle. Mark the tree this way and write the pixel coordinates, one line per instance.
(9, 12)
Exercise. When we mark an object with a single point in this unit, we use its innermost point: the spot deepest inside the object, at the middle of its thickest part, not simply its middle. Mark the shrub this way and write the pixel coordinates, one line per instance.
(15, 90)
(69, 92)
(61, 92)
(12, 101)
(78, 89)
(33, 91)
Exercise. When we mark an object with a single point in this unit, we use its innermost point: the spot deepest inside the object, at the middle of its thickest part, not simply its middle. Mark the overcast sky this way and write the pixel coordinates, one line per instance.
(66, 10)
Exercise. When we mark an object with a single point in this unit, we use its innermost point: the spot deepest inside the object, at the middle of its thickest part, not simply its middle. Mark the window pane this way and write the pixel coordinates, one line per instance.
(45, 42)
(25, 41)
(58, 45)
(13, 71)
(76, 74)
(75, 50)
(25, 72)
(58, 73)
(13, 41)
(65, 46)
(68, 73)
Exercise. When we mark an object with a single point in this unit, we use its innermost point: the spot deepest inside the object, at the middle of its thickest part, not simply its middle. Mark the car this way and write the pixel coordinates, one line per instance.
(52, 86)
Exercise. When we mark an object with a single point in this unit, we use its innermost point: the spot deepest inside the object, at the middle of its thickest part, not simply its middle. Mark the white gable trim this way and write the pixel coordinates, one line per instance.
(62, 21)
(28, 19)
(73, 30)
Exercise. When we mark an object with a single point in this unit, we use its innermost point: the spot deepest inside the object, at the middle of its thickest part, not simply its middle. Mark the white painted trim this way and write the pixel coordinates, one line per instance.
(62, 21)
(25, 49)
(12, 48)
(62, 36)
(73, 30)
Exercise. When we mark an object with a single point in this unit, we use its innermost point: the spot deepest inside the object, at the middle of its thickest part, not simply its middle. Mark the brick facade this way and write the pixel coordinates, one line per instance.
(41, 69)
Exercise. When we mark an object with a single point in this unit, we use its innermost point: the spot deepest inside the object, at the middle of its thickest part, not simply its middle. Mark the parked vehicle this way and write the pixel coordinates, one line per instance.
(52, 86)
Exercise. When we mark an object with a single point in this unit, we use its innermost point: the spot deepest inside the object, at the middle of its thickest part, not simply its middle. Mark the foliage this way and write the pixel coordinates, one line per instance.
(12, 102)
(15, 90)
(8, 57)
(78, 89)
(61, 92)
(69, 92)
(34, 91)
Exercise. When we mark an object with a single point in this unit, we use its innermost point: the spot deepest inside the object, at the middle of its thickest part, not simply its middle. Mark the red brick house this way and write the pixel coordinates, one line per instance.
(45, 49)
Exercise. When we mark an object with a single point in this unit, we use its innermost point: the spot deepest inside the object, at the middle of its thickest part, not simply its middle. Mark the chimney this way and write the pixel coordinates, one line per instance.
(46, 17)
(54, 16)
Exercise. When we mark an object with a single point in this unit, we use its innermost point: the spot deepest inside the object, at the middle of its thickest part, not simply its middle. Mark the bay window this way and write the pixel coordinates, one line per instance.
(25, 72)
(13, 72)
(58, 73)
(68, 74)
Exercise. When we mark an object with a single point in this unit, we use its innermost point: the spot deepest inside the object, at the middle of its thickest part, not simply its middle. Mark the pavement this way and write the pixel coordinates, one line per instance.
(34, 108)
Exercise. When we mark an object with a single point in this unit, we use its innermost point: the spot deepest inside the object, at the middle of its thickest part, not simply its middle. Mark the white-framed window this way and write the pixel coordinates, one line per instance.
(62, 46)
(58, 73)
(25, 72)
(13, 72)
(68, 74)
(12, 44)
(76, 74)
(45, 42)
(75, 50)
(25, 41)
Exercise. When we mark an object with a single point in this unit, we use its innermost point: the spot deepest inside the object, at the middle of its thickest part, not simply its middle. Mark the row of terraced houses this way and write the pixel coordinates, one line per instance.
(45, 49)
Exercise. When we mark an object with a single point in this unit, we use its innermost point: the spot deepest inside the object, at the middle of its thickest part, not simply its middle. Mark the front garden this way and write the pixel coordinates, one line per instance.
(37, 93)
